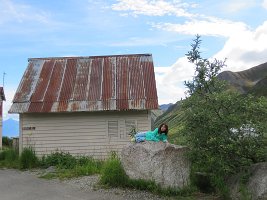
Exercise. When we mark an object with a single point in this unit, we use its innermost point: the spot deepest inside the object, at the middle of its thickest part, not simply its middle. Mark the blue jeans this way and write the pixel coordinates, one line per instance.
(140, 137)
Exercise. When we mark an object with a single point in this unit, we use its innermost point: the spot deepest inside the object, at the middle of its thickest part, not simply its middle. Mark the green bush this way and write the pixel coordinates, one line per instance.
(224, 129)
(69, 166)
(88, 166)
(113, 173)
(28, 159)
(60, 160)
(9, 158)
(6, 141)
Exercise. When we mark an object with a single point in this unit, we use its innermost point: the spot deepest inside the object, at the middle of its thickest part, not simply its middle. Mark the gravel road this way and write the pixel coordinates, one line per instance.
(25, 185)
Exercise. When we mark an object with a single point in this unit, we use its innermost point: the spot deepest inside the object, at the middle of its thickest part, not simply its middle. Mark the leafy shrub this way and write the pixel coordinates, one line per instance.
(8, 155)
(113, 173)
(6, 141)
(59, 159)
(9, 158)
(28, 159)
(215, 116)
(69, 166)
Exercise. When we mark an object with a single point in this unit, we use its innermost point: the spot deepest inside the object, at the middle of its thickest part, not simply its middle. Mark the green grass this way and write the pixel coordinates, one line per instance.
(48, 176)
(9, 158)
(67, 166)
(113, 175)
(28, 159)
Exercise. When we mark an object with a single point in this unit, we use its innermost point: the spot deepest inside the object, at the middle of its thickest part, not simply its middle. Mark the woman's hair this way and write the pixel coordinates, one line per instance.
(166, 132)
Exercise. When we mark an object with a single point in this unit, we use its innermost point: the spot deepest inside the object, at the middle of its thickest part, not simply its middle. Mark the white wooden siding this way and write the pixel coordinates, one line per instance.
(80, 133)
(1, 124)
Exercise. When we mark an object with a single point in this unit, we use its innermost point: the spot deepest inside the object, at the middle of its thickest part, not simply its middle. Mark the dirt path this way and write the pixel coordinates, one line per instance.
(18, 185)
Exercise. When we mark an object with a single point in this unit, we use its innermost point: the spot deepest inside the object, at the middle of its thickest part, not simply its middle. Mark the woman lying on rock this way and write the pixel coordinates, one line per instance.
(159, 134)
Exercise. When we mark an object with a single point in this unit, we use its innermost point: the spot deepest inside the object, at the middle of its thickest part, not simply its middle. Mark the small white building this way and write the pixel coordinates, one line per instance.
(2, 98)
(84, 105)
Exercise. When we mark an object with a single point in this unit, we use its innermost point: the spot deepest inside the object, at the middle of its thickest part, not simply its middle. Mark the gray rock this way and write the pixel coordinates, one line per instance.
(164, 163)
(256, 186)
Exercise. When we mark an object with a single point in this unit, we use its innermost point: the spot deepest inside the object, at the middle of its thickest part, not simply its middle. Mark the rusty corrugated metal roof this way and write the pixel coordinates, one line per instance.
(95, 83)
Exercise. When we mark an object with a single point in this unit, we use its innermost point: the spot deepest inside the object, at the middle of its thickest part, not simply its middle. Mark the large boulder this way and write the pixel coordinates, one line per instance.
(164, 163)
(256, 185)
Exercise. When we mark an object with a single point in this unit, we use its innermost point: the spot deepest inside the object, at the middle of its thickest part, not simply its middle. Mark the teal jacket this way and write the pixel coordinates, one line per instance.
(155, 136)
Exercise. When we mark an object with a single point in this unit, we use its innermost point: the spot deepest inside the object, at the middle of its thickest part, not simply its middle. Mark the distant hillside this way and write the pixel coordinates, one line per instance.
(165, 107)
(10, 128)
(173, 117)
(253, 80)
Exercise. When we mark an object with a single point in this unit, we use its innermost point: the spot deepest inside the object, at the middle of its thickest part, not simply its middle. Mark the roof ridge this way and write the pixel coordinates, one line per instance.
(86, 57)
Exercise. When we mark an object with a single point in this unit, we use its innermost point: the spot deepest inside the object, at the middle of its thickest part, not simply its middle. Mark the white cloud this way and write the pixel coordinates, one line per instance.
(209, 26)
(243, 51)
(246, 49)
(237, 5)
(152, 8)
(264, 4)
(9, 94)
(170, 80)
(14, 12)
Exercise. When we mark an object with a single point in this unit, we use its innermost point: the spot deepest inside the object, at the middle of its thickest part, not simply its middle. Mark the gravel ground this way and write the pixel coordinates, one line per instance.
(89, 183)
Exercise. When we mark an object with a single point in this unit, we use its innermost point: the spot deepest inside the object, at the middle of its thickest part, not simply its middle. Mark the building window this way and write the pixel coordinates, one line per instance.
(131, 127)
(113, 128)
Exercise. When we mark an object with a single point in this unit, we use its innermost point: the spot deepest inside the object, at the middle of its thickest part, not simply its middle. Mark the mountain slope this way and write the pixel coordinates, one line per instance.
(10, 128)
(247, 81)
(253, 80)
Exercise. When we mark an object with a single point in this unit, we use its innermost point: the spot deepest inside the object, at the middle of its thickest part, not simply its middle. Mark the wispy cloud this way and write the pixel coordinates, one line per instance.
(170, 80)
(209, 26)
(20, 13)
(245, 50)
(238, 5)
(264, 4)
(153, 8)
(9, 94)
(194, 24)
(242, 51)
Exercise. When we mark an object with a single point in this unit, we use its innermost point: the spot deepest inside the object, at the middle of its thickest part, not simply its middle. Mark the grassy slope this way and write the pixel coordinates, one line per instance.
(253, 81)
(174, 118)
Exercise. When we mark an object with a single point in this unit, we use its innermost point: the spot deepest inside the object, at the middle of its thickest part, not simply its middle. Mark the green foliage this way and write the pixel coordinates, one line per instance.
(9, 158)
(151, 186)
(133, 131)
(87, 168)
(6, 141)
(224, 129)
(113, 173)
(69, 166)
(175, 118)
(59, 159)
(28, 159)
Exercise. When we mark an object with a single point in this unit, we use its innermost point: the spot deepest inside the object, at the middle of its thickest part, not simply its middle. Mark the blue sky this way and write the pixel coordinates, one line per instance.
(232, 29)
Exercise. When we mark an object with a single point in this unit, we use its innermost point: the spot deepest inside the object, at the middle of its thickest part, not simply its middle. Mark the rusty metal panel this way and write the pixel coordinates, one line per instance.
(28, 82)
(95, 87)
(108, 78)
(122, 83)
(119, 82)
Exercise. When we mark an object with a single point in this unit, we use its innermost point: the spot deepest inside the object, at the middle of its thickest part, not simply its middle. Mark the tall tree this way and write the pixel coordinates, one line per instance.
(225, 130)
